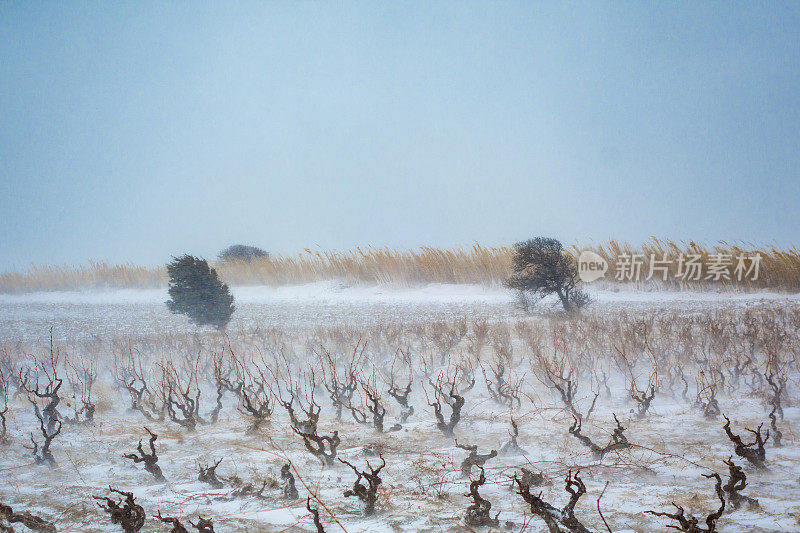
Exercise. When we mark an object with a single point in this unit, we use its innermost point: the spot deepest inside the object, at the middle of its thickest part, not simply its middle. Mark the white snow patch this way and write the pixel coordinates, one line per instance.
(338, 292)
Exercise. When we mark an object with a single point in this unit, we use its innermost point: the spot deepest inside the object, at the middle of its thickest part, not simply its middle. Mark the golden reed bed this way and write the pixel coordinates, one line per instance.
(779, 268)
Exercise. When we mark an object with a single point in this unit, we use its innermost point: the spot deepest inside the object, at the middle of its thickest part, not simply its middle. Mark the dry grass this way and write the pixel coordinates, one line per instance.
(780, 268)
(93, 275)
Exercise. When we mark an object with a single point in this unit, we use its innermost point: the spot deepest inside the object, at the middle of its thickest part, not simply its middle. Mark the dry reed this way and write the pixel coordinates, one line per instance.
(779, 269)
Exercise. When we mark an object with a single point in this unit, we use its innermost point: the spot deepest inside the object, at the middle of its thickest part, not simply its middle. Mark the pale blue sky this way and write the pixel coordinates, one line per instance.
(134, 131)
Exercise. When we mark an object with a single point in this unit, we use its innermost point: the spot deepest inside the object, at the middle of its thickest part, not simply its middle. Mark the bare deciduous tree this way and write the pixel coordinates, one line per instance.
(401, 396)
(130, 374)
(503, 392)
(4, 393)
(45, 456)
(542, 267)
(81, 378)
(181, 393)
(478, 513)
(342, 387)
(150, 460)
(777, 435)
(512, 446)
(451, 399)
(737, 481)
(753, 452)
(177, 527)
(46, 371)
(26, 518)
(474, 458)
(208, 474)
(618, 440)
(289, 489)
(643, 398)
(369, 494)
(707, 396)
(124, 512)
(691, 524)
(555, 518)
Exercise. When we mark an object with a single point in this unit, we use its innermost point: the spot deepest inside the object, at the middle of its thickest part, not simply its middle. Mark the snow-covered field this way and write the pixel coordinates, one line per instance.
(284, 340)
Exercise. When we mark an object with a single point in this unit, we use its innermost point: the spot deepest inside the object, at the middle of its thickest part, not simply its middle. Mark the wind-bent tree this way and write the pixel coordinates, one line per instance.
(196, 291)
(542, 267)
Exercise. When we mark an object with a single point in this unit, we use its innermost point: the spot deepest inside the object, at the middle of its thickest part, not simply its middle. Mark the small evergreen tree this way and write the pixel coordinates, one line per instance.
(196, 291)
(242, 252)
(542, 267)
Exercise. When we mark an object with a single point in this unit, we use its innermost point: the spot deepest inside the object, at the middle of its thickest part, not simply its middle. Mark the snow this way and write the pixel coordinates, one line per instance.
(423, 488)
(340, 293)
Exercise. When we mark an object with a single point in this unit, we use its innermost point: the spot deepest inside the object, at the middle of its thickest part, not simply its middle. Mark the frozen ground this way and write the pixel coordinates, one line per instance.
(76, 315)
(341, 293)
(423, 489)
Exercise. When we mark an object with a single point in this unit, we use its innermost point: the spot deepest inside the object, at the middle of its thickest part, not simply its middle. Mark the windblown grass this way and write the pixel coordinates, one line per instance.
(779, 270)
(93, 275)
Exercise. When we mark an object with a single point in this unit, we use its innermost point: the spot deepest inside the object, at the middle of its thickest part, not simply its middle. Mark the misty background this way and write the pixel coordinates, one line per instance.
(132, 132)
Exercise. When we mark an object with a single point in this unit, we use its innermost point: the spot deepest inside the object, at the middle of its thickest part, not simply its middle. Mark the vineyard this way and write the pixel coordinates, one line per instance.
(426, 415)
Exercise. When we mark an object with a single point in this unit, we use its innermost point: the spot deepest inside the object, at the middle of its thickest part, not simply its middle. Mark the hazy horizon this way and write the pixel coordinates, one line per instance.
(135, 132)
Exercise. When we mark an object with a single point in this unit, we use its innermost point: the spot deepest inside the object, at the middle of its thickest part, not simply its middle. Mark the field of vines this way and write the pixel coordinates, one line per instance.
(467, 416)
